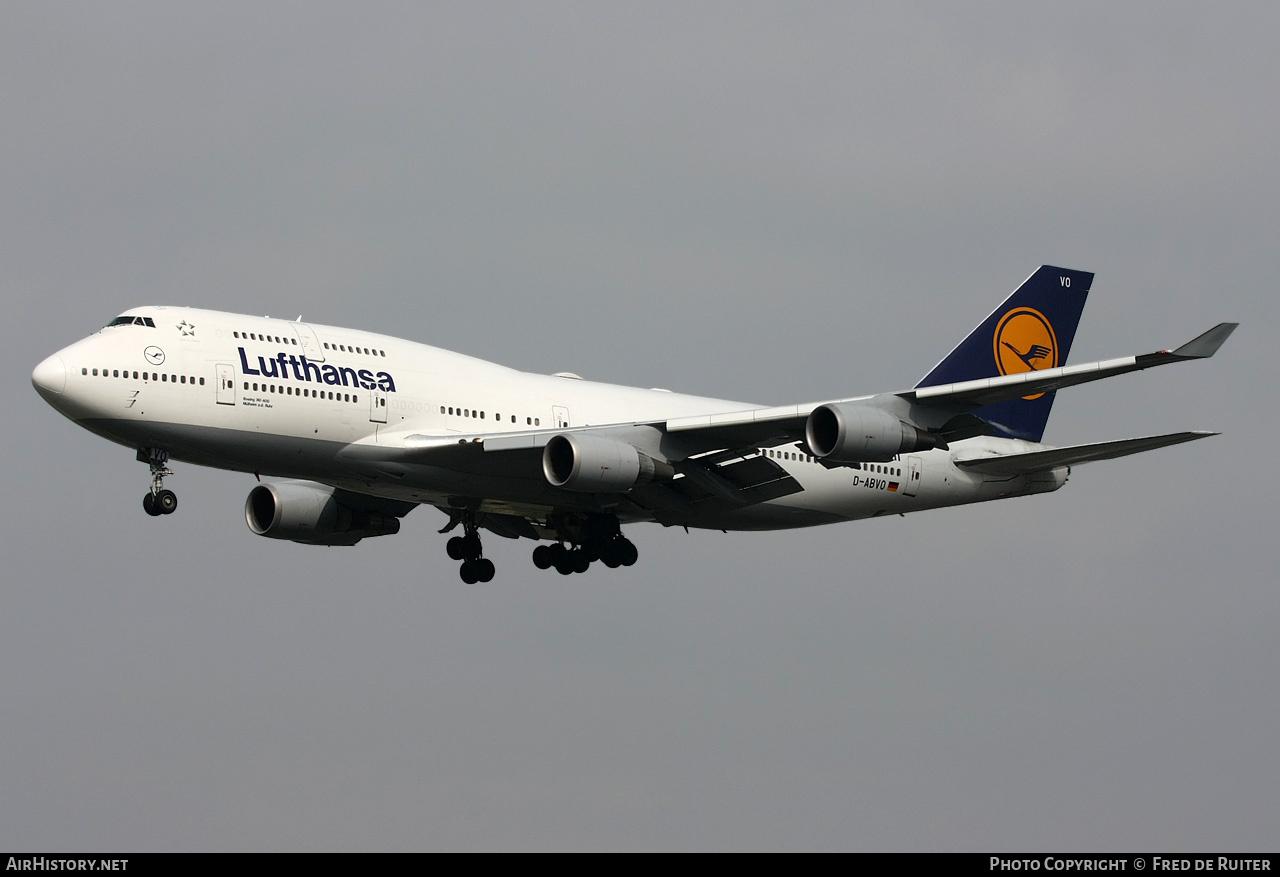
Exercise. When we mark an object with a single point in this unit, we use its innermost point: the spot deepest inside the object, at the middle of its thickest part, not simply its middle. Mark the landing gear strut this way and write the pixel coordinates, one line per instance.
(157, 500)
(475, 567)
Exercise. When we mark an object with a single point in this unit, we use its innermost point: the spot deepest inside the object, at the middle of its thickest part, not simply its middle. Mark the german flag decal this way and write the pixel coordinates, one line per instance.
(893, 487)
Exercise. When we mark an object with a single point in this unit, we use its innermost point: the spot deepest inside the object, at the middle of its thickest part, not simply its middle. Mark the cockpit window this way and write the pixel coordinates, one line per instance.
(129, 320)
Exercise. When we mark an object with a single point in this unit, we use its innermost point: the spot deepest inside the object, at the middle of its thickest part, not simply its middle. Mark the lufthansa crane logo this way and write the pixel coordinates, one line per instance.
(1024, 342)
(154, 355)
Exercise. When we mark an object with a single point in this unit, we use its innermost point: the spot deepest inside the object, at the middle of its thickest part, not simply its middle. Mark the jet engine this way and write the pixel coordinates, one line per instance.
(309, 513)
(846, 432)
(596, 464)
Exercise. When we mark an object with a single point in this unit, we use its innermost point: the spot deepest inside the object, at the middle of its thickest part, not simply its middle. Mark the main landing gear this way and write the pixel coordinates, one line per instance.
(599, 538)
(157, 500)
(582, 541)
(467, 548)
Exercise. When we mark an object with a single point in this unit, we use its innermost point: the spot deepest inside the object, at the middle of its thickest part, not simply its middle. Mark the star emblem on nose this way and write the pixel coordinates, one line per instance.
(186, 328)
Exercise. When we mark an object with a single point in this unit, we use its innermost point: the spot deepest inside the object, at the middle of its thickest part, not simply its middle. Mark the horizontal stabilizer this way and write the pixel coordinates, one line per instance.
(1039, 461)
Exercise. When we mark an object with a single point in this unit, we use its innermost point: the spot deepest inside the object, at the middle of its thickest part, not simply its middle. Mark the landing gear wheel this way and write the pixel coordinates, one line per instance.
(620, 552)
(542, 557)
(158, 501)
(166, 501)
(454, 548)
(484, 569)
(471, 546)
(581, 560)
(468, 572)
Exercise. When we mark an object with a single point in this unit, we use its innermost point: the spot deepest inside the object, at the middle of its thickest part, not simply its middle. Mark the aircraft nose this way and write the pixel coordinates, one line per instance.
(50, 378)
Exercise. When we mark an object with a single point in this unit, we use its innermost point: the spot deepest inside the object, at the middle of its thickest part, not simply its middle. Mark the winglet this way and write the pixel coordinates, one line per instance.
(1206, 345)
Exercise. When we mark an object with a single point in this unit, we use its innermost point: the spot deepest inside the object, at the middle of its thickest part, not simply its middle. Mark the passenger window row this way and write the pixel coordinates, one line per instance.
(787, 455)
(471, 412)
(258, 336)
(805, 458)
(286, 390)
(348, 348)
(283, 339)
(879, 469)
(146, 376)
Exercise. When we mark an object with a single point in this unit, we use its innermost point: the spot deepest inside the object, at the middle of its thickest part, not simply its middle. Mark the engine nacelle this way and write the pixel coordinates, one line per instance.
(595, 464)
(309, 514)
(847, 432)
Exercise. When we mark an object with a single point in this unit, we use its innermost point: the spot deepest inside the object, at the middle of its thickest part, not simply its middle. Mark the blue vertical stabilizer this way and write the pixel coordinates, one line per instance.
(1031, 331)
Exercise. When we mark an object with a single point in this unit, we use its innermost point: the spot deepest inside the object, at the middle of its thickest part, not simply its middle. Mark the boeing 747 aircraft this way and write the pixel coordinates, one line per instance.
(366, 427)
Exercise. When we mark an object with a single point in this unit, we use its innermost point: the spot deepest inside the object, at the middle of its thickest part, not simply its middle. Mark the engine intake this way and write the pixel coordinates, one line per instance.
(843, 432)
(309, 514)
(596, 464)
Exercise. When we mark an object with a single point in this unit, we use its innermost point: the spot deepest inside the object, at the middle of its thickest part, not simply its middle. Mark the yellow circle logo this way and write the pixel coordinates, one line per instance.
(1025, 342)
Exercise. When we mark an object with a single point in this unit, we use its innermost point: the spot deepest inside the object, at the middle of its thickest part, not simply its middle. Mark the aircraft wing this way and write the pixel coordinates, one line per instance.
(975, 394)
(1039, 461)
(758, 424)
(767, 426)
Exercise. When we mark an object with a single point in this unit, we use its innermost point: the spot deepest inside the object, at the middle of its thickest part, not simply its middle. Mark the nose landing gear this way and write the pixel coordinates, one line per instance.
(157, 501)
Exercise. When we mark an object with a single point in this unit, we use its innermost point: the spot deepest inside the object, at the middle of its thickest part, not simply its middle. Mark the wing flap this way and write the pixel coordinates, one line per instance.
(1039, 461)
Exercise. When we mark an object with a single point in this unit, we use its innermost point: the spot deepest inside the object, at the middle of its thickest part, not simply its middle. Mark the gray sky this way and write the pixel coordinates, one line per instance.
(773, 203)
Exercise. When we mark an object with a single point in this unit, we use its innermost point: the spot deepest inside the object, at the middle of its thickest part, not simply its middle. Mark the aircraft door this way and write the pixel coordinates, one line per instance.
(226, 383)
(913, 476)
(560, 416)
(311, 347)
(377, 406)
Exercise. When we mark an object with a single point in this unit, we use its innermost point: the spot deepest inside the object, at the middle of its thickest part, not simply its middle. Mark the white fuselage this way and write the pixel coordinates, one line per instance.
(337, 406)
